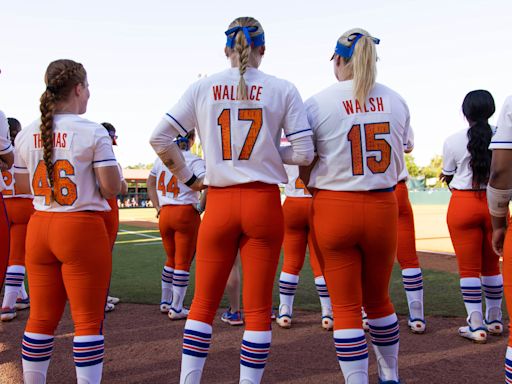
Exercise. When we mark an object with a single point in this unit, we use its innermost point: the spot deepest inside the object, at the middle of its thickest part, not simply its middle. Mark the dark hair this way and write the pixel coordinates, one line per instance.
(478, 106)
(14, 127)
(60, 78)
(109, 127)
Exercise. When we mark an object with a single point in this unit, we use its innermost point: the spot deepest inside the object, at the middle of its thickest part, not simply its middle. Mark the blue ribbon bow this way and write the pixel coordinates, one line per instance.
(347, 52)
(258, 40)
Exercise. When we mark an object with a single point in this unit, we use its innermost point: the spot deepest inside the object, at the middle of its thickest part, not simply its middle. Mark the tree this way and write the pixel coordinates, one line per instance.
(140, 166)
(412, 168)
(433, 170)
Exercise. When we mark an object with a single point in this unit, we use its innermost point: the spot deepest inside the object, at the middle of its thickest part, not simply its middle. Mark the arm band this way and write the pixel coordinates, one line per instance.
(191, 180)
(301, 151)
(497, 200)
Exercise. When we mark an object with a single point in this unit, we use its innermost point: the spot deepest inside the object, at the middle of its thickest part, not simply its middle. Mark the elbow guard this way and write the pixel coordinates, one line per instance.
(497, 200)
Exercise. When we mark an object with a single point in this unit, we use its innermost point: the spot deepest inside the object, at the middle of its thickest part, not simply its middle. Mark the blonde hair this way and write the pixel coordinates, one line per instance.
(362, 66)
(60, 78)
(244, 50)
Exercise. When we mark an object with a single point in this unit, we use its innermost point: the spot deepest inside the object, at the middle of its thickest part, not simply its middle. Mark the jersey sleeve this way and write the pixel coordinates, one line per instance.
(408, 133)
(198, 167)
(295, 122)
(502, 139)
(103, 152)
(154, 170)
(183, 115)
(20, 166)
(449, 162)
(5, 142)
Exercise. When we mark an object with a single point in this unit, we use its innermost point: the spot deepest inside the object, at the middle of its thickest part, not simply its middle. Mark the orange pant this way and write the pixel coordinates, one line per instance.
(249, 217)
(297, 236)
(355, 237)
(19, 211)
(4, 241)
(406, 246)
(68, 256)
(112, 220)
(470, 228)
(178, 226)
(507, 274)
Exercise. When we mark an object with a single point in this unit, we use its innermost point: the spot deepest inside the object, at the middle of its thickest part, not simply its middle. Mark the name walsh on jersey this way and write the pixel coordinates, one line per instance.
(229, 92)
(373, 104)
(60, 140)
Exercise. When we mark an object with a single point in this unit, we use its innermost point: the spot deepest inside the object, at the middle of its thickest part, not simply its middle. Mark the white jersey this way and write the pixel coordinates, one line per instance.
(295, 186)
(10, 185)
(359, 147)
(79, 146)
(503, 137)
(170, 190)
(240, 138)
(456, 159)
(408, 147)
(5, 142)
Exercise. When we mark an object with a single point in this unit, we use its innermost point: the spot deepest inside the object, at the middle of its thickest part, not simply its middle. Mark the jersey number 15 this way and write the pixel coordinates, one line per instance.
(372, 144)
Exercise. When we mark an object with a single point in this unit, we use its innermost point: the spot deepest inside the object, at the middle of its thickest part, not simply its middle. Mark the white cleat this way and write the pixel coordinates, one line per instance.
(113, 300)
(178, 315)
(7, 314)
(327, 323)
(476, 335)
(366, 326)
(22, 303)
(284, 318)
(417, 326)
(109, 307)
(495, 328)
(165, 307)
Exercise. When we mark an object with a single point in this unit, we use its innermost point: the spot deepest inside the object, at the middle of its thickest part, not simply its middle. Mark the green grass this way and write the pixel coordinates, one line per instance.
(138, 262)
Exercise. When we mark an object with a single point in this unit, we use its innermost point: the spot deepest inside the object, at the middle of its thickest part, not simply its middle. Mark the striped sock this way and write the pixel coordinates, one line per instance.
(253, 355)
(179, 289)
(471, 294)
(197, 337)
(508, 366)
(493, 291)
(36, 351)
(167, 273)
(287, 287)
(22, 294)
(352, 352)
(88, 354)
(385, 336)
(413, 285)
(14, 278)
(323, 294)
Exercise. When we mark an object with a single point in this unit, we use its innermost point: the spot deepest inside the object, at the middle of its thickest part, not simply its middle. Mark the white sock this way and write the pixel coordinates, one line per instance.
(167, 273)
(14, 278)
(385, 336)
(471, 294)
(287, 287)
(88, 354)
(22, 294)
(197, 337)
(36, 351)
(493, 290)
(323, 294)
(352, 352)
(508, 366)
(179, 289)
(253, 355)
(413, 285)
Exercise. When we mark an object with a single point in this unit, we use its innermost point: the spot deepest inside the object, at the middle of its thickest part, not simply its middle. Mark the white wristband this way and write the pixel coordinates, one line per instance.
(497, 200)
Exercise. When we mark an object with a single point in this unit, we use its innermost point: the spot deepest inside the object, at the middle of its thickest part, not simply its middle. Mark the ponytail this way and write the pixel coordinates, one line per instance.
(478, 106)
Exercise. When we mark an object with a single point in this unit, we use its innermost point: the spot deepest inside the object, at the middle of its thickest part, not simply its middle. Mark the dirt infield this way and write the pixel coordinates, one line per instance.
(143, 346)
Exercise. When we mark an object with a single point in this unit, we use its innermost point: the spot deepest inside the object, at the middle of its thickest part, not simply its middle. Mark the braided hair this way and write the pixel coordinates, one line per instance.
(243, 50)
(478, 106)
(60, 78)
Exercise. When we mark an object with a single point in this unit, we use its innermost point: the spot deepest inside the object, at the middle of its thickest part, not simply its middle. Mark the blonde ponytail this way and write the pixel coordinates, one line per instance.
(240, 31)
(361, 65)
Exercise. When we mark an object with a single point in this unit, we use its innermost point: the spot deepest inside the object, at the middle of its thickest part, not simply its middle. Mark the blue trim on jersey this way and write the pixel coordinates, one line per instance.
(102, 161)
(6, 148)
(20, 167)
(501, 142)
(294, 133)
(177, 122)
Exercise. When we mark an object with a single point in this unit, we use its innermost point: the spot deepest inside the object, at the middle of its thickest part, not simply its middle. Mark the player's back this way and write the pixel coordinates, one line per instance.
(79, 145)
(9, 183)
(360, 147)
(240, 138)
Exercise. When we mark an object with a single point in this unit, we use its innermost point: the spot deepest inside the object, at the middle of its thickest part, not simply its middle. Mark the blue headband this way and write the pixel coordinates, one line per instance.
(346, 52)
(257, 41)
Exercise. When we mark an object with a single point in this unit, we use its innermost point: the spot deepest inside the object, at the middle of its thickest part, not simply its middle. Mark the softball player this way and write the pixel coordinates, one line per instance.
(499, 193)
(179, 223)
(360, 128)
(68, 164)
(466, 167)
(19, 209)
(406, 255)
(112, 217)
(297, 236)
(6, 160)
(239, 115)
